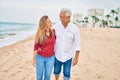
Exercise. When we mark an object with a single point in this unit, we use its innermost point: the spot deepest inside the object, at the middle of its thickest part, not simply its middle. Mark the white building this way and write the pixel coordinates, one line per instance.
(95, 12)
(77, 18)
(99, 13)
(118, 10)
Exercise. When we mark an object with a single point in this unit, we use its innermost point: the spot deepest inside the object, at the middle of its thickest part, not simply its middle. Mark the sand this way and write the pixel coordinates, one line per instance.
(99, 57)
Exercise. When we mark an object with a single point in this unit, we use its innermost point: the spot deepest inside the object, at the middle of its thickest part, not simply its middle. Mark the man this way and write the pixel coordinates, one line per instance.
(67, 44)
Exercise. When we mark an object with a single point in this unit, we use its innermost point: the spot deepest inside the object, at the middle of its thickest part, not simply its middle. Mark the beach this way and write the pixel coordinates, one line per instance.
(99, 58)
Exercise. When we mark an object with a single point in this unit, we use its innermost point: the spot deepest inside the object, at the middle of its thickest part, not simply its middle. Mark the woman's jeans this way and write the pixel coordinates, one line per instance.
(44, 67)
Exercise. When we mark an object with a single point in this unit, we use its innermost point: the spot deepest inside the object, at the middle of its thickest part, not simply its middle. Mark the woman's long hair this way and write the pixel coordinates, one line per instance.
(41, 31)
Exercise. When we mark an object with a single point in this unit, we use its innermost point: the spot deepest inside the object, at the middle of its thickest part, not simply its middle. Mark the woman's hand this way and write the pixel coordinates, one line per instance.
(34, 58)
(34, 62)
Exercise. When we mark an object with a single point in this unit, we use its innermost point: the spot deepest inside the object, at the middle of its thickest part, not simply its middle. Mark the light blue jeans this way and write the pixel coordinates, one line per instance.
(44, 66)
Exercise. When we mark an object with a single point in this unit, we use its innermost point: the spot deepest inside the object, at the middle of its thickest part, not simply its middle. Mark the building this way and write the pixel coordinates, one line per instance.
(95, 12)
(99, 13)
(118, 10)
(77, 17)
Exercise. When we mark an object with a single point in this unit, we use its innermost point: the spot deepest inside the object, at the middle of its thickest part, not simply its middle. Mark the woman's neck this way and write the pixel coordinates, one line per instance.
(47, 32)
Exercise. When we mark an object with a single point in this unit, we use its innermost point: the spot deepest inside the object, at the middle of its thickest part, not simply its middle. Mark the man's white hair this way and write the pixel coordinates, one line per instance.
(67, 11)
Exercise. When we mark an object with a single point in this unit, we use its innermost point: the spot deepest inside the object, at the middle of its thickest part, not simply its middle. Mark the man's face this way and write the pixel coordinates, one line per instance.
(63, 18)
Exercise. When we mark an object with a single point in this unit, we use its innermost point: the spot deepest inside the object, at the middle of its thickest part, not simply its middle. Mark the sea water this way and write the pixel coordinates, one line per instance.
(13, 32)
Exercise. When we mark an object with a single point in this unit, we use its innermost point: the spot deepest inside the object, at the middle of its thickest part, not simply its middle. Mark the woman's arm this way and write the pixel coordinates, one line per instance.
(36, 45)
(34, 58)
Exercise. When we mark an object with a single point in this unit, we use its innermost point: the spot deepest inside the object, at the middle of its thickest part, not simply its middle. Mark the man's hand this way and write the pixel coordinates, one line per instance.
(75, 61)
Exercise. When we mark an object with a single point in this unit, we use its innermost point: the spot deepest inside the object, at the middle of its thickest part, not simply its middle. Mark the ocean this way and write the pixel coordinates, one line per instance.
(11, 32)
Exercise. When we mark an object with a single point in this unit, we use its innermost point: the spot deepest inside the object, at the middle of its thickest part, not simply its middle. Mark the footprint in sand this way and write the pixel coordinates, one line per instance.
(76, 78)
(5, 70)
(32, 78)
(27, 62)
(21, 67)
(13, 74)
(25, 51)
(98, 76)
(18, 71)
(11, 66)
(27, 75)
(74, 73)
(88, 70)
(118, 55)
(24, 78)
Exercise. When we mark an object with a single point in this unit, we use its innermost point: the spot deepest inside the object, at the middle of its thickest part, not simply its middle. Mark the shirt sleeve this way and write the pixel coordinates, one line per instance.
(77, 40)
(36, 45)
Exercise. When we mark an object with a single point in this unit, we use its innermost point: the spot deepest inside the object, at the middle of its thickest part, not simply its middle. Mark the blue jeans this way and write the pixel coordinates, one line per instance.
(44, 67)
(66, 68)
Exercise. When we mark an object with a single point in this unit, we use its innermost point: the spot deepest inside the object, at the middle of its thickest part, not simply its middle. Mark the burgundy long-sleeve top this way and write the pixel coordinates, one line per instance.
(47, 48)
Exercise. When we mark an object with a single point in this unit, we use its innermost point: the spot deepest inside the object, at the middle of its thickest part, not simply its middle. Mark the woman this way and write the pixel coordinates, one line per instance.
(43, 57)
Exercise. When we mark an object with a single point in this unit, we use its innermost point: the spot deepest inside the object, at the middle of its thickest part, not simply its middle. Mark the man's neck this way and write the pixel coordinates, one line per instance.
(65, 25)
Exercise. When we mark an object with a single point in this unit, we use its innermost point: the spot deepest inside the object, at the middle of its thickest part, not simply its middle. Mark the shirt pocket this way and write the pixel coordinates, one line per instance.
(70, 36)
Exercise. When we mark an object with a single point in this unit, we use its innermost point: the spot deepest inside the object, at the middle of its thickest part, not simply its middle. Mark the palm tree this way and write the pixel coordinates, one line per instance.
(95, 20)
(108, 16)
(86, 20)
(116, 20)
(105, 23)
(108, 19)
(111, 23)
(113, 12)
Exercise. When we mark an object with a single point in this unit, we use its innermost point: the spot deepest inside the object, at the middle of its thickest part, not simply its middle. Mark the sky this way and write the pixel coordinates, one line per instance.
(30, 11)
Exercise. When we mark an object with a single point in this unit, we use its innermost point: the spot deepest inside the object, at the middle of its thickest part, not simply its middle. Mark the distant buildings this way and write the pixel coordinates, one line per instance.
(96, 17)
(98, 13)
(118, 10)
(95, 12)
(77, 17)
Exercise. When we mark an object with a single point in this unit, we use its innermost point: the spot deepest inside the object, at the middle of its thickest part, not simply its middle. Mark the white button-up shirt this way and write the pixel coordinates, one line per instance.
(67, 41)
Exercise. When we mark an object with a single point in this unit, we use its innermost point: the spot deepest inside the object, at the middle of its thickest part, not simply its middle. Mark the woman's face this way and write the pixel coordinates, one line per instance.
(48, 23)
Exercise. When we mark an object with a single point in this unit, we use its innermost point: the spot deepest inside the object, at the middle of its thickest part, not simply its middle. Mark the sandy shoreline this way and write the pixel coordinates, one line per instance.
(99, 58)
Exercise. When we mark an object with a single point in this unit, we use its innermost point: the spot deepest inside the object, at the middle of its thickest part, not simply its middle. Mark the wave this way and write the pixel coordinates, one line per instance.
(13, 38)
(13, 32)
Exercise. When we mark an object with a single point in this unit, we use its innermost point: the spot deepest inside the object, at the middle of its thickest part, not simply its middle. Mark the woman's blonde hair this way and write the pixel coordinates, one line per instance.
(41, 31)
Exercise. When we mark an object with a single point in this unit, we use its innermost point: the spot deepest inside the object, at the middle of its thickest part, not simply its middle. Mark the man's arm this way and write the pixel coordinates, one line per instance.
(75, 60)
(77, 47)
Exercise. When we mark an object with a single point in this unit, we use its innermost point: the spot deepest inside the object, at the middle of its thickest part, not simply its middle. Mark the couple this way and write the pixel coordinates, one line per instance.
(63, 41)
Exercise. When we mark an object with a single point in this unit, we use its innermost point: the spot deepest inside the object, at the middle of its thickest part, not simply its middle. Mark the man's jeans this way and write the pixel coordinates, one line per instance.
(66, 68)
(44, 67)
